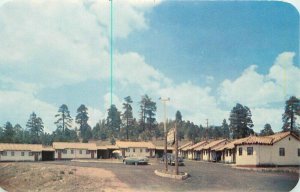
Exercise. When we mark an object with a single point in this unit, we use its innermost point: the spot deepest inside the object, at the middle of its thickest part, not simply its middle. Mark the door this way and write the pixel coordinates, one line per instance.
(92, 154)
(36, 156)
(59, 155)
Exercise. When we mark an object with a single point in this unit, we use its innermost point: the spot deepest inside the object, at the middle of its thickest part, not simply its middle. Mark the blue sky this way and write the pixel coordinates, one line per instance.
(205, 56)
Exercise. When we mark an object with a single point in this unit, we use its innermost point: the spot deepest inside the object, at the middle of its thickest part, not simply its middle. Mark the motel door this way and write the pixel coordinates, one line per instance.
(92, 154)
(59, 155)
(36, 156)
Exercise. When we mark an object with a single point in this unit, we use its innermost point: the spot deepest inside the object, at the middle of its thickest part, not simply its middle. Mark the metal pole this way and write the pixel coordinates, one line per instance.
(176, 150)
(165, 130)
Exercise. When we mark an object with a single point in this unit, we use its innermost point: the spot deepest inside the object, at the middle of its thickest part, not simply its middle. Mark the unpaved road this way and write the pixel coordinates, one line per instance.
(105, 176)
(48, 177)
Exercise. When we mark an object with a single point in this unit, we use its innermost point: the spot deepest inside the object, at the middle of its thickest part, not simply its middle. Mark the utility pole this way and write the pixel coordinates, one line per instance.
(164, 101)
(206, 128)
(176, 149)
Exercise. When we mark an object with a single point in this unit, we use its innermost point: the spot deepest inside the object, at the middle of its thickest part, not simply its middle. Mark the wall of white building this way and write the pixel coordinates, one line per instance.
(137, 151)
(269, 154)
(17, 156)
(75, 154)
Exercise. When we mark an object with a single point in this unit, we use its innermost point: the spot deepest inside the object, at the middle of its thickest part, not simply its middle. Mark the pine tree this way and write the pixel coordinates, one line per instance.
(225, 128)
(36, 127)
(82, 119)
(240, 121)
(267, 130)
(292, 110)
(64, 120)
(8, 133)
(127, 115)
(113, 121)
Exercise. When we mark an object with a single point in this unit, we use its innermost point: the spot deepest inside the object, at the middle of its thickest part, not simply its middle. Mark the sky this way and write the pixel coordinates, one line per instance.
(204, 56)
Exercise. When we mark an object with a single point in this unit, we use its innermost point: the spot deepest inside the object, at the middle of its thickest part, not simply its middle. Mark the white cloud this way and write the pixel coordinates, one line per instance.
(94, 116)
(258, 91)
(18, 107)
(194, 102)
(261, 116)
(254, 89)
(131, 68)
(116, 101)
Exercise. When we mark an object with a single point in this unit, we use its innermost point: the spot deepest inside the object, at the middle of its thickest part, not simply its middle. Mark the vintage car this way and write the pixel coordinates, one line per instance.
(135, 160)
(171, 159)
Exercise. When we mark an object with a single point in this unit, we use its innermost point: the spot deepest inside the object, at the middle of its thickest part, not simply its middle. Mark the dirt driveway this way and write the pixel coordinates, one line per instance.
(104, 176)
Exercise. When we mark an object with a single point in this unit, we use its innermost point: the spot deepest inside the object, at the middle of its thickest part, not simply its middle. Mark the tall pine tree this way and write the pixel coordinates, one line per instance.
(82, 119)
(292, 110)
(127, 114)
(64, 120)
(35, 126)
(240, 121)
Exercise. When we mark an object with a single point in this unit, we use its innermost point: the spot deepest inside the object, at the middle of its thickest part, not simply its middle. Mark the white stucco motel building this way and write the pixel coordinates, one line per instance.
(65, 150)
(23, 152)
(280, 149)
(132, 148)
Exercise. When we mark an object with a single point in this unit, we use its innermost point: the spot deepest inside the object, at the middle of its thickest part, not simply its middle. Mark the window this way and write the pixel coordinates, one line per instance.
(22, 153)
(229, 152)
(4, 153)
(249, 150)
(65, 151)
(12, 153)
(240, 151)
(87, 152)
(134, 150)
(298, 152)
(30, 154)
(80, 151)
(147, 150)
(72, 151)
(226, 153)
(141, 150)
(127, 150)
(281, 152)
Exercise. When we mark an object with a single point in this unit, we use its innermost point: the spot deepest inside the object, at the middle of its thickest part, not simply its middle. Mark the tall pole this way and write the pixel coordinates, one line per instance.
(165, 131)
(176, 149)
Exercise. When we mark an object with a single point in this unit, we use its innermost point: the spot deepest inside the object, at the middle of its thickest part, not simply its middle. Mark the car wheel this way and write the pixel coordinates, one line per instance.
(124, 162)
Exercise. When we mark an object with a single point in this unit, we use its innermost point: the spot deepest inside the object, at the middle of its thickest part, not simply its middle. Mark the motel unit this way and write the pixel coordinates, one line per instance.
(25, 152)
(208, 151)
(65, 150)
(132, 148)
(280, 149)
(182, 150)
(193, 154)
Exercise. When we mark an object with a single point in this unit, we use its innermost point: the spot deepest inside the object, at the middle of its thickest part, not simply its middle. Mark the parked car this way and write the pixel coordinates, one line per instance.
(135, 160)
(171, 159)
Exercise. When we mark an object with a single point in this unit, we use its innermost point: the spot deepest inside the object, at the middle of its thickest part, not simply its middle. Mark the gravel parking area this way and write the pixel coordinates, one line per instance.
(204, 176)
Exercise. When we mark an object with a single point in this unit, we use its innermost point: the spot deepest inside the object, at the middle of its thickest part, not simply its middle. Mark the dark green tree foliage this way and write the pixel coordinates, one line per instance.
(19, 134)
(113, 121)
(147, 114)
(64, 119)
(127, 114)
(225, 129)
(82, 119)
(217, 132)
(240, 121)
(47, 138)
(8, 134)
(292, 110)
(267, 130)
(180, 131)
(35, 126)
(1, 134)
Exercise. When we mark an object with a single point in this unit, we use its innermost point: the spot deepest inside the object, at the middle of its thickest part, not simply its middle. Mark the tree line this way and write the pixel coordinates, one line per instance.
(122, 125)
